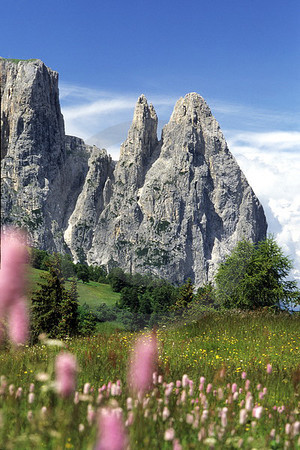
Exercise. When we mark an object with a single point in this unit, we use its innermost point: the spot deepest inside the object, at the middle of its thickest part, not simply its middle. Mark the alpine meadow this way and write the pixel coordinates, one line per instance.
(149, 290)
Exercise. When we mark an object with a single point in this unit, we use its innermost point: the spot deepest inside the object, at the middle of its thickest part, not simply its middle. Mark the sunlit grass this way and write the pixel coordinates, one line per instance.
(91, 293)
(220, 347)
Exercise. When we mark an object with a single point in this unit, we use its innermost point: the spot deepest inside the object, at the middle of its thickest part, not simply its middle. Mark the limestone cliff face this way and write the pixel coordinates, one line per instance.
(173, 208)
(189, 205)
(42, 170)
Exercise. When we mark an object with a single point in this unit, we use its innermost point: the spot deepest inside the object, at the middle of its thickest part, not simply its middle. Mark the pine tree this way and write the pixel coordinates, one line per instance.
(69, 311)
(54, 310)
(185, 296)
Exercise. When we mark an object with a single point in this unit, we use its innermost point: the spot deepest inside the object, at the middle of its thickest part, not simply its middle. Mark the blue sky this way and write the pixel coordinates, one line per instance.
(242, 56)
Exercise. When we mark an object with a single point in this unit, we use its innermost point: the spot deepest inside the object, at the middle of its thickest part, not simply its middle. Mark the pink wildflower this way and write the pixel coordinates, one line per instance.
(269, 368)
(208, 388)
(244, 375)
(31, 397)
(111, 430)
(18, 321)
(185, 380)
(14, 257)
(234, 388)
(169, 434)
(65, 368)
(176, 445)
(143, 362)
(86, 388)
(243, 416)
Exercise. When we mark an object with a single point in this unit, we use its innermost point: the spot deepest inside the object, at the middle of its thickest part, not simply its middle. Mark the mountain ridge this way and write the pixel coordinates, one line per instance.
(173, 207)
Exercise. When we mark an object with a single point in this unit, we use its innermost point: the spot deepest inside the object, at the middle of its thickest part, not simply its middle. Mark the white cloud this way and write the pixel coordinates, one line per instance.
(271, 163)
(87, 111)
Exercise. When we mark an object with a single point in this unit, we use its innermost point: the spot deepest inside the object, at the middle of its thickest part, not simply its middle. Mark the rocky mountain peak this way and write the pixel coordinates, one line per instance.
(173, 208)
(190, 109)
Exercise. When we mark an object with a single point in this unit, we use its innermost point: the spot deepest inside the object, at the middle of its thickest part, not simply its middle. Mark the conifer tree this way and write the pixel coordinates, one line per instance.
(69, 311)
(54, 310)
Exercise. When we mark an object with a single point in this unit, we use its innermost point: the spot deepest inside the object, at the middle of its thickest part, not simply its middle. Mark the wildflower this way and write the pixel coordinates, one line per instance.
(249, 402)
(296, 428)
(272, 433)
(165, 413)
(204, 416)
(129, 403)
(185, 380)
(176, 445)
(19, 392)
(189, 419)
(235, 396)
(288, 428)
(201, 434)
(142, 366)
(18, 321)
(220, 394)
(111, 430)
(244, 375)
(224, 417)
(65, 368)
(234, 388)
(80, 427)
(31, 397)
(14, 257)
(43, 412)
(257, 412)
(269, 368)
(130, 419)
(169, 434)
(91, 415)
(243, 416)
(154, 378)
(86, 388)
(208, 388)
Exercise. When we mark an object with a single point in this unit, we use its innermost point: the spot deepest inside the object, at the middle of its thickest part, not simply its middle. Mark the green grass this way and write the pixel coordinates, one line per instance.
(91, 293)
(16, 61)
(218, 346)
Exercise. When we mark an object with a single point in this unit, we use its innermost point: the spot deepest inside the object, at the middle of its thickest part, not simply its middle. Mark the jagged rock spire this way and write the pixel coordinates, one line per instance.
(172, 208)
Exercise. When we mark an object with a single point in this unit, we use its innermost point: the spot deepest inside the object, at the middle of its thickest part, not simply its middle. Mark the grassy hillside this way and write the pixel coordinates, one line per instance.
(91, 293)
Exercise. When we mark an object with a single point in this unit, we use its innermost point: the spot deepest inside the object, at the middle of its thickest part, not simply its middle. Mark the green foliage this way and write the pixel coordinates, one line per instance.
(53, 308)
(39, 259)
(82, 272)
(98, 273)
(69, 311)
(117, 279)
(206, 295)
(67, 266)
(253, 276)
(87, 320)
(185, 295)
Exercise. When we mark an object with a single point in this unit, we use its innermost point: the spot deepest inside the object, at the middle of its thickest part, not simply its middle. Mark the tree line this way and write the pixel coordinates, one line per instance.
(252, 276)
